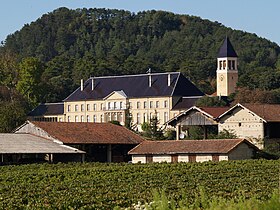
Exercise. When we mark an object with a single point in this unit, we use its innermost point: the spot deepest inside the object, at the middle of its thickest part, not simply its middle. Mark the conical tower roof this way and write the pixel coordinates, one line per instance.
(227, 50)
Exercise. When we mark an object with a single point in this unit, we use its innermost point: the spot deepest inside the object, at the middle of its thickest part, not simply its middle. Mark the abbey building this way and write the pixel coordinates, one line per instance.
(141, 96)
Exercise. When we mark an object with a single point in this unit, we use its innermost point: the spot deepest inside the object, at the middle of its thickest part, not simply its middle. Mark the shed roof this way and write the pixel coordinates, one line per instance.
(136, 86)
(11, 143)
(217, 146)
(89, 133)
(211, 112)
(268, 112)
(48, 109)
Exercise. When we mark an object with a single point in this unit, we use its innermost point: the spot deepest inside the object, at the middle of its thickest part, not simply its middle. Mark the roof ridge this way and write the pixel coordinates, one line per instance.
(133, 75)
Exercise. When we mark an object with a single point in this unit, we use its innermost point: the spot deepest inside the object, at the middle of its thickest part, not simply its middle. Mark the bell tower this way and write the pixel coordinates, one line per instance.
(227, 73)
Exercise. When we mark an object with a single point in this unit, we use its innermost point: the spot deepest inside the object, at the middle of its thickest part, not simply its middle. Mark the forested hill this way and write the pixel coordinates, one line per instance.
(75, 44)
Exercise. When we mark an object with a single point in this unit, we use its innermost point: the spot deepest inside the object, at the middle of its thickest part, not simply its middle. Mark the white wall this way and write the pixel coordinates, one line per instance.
(138, 159)
(162, 158)
(183, 158)
(203, 158)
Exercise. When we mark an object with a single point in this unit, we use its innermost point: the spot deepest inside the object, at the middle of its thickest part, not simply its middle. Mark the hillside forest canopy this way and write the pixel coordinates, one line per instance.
(45, 60)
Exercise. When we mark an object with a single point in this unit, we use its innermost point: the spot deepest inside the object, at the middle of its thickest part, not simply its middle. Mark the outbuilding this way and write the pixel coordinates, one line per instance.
(28, 148)
(192, 150)
(102, 142)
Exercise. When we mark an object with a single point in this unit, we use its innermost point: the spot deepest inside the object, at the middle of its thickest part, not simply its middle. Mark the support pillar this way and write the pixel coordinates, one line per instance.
(109, 153)
(205, 132)
(178, 131)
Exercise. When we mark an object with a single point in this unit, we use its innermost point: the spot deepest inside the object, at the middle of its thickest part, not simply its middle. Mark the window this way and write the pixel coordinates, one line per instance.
(76, 107)
(130, 105)
(115, 105)
(101, 106)
(69, 108)
(82, 118)
(224, 64)
(60, 119)
(165, 104)
(151, 116)
(101, 118)
(157, 104)
(121, 117)
(151, 104)
(109, 105)
(144, 117)
(115, 116)
(229, 64)
(88, 107)
(94, 107)
(138, 118)
(82, 107)
(76, 118)
(121, 105)
(138, 105)
(68, 119)
(94, 118)
(233, 65)
(145, 104)
(220, 65)
(158, 116)
(165, 116)
(88, 118)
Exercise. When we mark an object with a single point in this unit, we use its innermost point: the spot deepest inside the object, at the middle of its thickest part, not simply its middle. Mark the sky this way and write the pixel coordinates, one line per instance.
(255, 16)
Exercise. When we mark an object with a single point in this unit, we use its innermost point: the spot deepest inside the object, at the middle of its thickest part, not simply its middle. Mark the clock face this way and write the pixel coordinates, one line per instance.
(221, 77)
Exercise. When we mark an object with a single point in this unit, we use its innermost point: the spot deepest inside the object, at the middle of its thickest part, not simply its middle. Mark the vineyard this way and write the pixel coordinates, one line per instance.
(105, 186)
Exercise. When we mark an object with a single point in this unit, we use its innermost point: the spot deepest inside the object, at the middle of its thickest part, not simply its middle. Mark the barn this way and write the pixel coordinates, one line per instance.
(28, 148)
(102, 142)
(192, 150)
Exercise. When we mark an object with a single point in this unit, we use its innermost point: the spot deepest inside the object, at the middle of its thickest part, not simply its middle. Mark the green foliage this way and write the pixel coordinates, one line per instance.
(105, 186)
(115, 122)
(151, 130)
(207, 101)
(226, 134)
(29, 83)
(79, 43)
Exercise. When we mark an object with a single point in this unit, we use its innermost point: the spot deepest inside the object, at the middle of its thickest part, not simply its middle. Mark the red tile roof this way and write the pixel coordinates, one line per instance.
(217, 146)
(268, 112)
(214, 111)
(89, 133)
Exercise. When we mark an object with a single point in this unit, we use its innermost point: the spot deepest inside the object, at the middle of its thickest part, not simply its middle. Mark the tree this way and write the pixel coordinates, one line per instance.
(29, 84)
(151, 130)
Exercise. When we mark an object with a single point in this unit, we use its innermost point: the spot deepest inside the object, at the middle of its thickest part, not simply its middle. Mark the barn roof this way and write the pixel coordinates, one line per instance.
(11, 143)
(88, 133)
(48, 109)
(268, 112)
(210, 112)
(217, 146)
(136, 86)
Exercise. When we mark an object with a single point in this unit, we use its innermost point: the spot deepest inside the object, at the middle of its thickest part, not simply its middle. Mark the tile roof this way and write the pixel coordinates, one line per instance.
(136, 86)
(268, 112)
(89, 133)
(11, 143)
(215, 146)
(214, 111)
(227, 49)
(48, 109)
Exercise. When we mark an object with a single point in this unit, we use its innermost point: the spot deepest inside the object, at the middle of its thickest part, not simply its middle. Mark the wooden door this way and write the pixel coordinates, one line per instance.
(149, 158)
(174, 158)
(215, 158)
(192, 158)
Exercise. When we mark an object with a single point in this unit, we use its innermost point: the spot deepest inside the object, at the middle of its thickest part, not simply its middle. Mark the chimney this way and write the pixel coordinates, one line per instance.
(150, 80)
(92, 84)
(82, 84)
(169, 79)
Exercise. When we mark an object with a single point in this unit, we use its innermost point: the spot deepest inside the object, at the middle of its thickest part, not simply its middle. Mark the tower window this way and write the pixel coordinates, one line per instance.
(229, 64)
(220, 65)
(224, 64)
(233, 64)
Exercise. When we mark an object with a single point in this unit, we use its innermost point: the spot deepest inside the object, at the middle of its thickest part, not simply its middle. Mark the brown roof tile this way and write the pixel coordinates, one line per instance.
(89, 133)
(221, 146)
(214, 111)
(269, 112)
